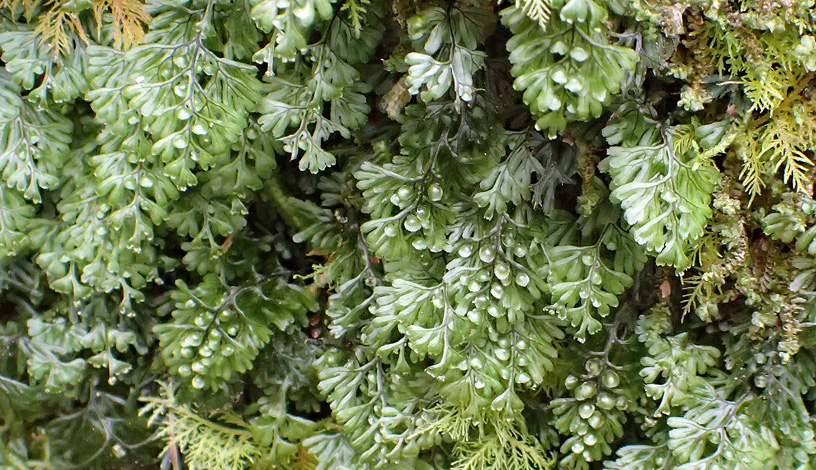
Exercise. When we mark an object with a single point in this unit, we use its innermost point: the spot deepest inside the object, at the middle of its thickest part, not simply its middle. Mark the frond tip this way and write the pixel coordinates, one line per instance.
(127, 19)
(537, 10)
(494, 442)
(56, 28)
(60, 25)
(781, 141)
(205, 444)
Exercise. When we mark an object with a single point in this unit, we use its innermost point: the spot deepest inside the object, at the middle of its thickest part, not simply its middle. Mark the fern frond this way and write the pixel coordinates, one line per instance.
(765, 64)
(706, 252)
(766, 89)
(507, 448)
(537, 10)
(492, 441)
(781, 141)
(795, 162)
(204, 443)
(127, 18)
(751, 176)
(722, 253)
(27, 6)
(356, 11)
(60, 24)
(56, 29)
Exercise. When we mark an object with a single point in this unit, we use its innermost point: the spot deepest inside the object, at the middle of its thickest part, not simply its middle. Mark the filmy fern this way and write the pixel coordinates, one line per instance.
(364, 235)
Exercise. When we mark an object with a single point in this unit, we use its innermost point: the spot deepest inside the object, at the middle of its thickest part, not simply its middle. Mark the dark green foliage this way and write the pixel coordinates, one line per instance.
(368, 234)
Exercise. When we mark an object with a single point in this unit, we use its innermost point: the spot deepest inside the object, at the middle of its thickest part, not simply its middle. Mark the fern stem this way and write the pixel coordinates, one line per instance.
(282, 203)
